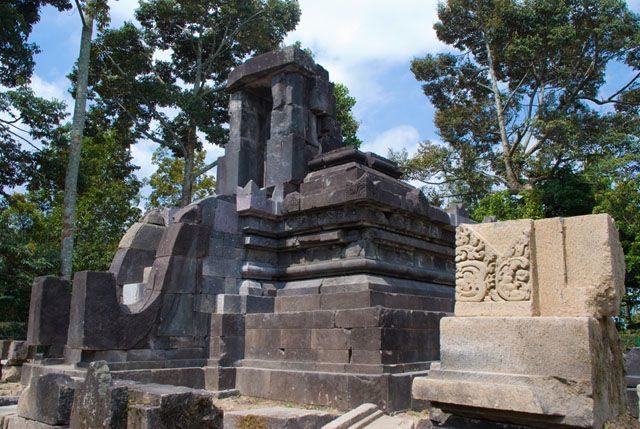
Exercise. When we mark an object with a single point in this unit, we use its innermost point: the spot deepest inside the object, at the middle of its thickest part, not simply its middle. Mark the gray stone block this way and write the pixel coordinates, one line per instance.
(49, 312)
(228, 304)
(227, 325)
(97, 320)
(184, 239)
(145, 236)
(178, 318)
(128, 264)
(18, 353)
(97, 403)
(277, 418)
(48, 399)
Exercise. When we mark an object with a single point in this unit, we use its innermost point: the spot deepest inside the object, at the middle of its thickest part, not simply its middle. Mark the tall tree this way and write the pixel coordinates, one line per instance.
(520, 98)
(25, 119)
(91, 10)
(165, 80)
(166, 181)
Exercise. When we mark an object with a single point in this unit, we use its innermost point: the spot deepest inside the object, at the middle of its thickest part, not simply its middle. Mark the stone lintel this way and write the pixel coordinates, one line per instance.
(290, 58)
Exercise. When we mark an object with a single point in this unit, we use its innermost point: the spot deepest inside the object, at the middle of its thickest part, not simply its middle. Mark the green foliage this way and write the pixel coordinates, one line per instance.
(24, 254)
(520, 99)
(344, 114)
(17, 18)
(205, 39)
(166, 181)
(344, 108)
(622, 201)
(505, 206)
(13, 330)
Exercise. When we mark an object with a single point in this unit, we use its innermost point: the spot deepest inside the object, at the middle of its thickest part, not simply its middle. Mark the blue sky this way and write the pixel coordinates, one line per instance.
(365, 44)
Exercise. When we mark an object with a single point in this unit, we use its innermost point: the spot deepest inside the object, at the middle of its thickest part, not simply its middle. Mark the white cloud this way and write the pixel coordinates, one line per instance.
(360, 41)
(122, 10)
(359, 31)
(397, 138)
(52, 89)
(141, 153)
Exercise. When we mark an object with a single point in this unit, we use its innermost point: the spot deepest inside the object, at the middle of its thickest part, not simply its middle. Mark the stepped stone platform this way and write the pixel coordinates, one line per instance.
(315, 275)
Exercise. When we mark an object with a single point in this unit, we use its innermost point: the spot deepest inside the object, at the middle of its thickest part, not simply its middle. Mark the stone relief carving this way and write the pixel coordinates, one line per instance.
(482, 274)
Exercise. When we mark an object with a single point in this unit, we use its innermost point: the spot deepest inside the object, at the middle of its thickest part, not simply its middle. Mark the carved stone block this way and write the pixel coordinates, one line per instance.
(551, 267)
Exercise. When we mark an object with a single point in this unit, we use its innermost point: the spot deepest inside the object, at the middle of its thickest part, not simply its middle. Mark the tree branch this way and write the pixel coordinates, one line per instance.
(205, 168)
(512, 180)
(84, 22)
(154, 113)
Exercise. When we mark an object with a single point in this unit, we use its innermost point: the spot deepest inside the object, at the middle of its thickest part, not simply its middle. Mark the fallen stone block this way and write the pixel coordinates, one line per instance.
(154, 406)
(97, 403)
(276, 418)
(18, 353)
(11, 374)
(48, 399)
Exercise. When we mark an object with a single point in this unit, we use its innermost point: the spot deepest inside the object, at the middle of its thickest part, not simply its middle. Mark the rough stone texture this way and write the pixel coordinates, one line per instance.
(49, 312)
(48, 399)
(11, 374)
(18, 353)
(560, 371)
(282, 114)
(632, 378)
(13, 421)
(276, 418)
(166, 407)
(551, 267)
(314, 268)
(353, 417)
(98, 404)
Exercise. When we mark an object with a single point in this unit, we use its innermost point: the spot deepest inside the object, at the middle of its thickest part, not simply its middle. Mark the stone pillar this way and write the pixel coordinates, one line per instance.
(286, 146)
(244, 154)
(532, 341)
(49, 314)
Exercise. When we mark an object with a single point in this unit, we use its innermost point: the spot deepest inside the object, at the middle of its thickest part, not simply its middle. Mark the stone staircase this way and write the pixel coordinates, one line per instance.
(369, 416)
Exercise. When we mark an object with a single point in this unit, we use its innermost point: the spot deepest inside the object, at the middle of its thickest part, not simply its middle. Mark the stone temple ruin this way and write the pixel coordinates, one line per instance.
(317, 276)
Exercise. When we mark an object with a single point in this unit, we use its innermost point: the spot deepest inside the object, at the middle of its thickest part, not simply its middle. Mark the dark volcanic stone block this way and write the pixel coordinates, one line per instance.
(98, 404)
(49, 311)
(308, 319)
(97, 321)
(48, 399)
(179, 274)
(219, 378)
(285, 160)
(128, 264)
(227, 325)
(18, 353)
(332, 339)
(184, 239)
(178, 318)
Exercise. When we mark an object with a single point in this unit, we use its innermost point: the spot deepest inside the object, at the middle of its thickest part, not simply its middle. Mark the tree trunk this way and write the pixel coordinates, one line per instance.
(73, 166)
(513, 183)
(188, 177)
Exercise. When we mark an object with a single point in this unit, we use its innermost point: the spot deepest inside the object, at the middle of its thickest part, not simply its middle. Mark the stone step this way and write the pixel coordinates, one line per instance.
(368, 416)
(366, 421)
(352, 417)
(276, 418)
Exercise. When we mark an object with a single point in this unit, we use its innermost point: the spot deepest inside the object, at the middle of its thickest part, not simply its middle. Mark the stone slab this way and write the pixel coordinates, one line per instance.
(49, 311)
(48, 399)
(520, 367)
(551, 267)
(276, 418)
